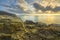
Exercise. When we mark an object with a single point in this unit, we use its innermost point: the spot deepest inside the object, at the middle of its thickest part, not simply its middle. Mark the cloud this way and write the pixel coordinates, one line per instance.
(38, 7)
(48, 8)
(23, 4)
(56, 9)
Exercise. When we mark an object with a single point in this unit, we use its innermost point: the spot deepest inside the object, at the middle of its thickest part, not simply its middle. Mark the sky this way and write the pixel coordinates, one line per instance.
(49, 19)
(4, 4)
(7, 4)
(18, 7)
(26, 6)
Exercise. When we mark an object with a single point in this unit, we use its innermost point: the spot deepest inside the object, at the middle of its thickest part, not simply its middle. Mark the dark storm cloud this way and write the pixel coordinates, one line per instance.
(48, 8)
(38, 7)
(56, 9)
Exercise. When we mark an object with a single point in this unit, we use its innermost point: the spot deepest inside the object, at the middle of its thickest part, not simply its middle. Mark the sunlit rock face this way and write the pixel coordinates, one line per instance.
(9, 23)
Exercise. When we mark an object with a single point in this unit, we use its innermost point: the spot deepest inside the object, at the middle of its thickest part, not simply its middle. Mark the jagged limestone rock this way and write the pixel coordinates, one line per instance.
(10, 24)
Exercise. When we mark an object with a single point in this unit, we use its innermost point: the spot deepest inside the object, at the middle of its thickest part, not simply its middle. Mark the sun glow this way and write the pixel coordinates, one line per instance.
(50, 19)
